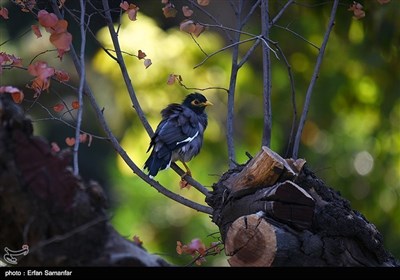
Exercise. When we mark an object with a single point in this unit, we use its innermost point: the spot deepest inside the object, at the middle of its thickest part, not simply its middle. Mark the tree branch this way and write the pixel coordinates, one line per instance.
(278, 16)
(267, 87)
(313, 80)
(82, 79)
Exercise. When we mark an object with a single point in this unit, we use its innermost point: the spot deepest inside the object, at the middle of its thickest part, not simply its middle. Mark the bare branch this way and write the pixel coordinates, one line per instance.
(233, 45)
(267, 87)
(249, 53)
(294, 106)
(298, 35)
(313, 80)
(252, 10)
(82, 80)
(124, 71)
(278, 16)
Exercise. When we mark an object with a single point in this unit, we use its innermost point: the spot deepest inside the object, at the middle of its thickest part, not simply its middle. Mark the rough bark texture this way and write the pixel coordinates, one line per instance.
(292, 220)
(42, 205)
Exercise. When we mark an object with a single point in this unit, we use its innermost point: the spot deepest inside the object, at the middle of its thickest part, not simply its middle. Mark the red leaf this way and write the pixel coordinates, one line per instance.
(124, 6)
(16, 94)
(4, 13)
(187, 26)
(141, 54)
(61, 76)
(203, 2)
(132, 12)
(171, 79)
(70, 141)
(36, 31)
(58, 107)
(41, 70)
(75, 104)
(61, 41)
(54, 147)
(187, 12)
(169, 10)
(47, 19)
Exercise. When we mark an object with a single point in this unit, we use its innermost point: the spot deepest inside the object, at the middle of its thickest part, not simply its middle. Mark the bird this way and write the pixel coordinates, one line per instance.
(179, 135)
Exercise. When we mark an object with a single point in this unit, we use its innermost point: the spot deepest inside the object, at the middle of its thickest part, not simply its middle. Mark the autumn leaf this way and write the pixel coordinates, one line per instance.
(41, 70)
(4, 13)
(131, 9)
(203, 2)
(16, 94)
(198, 30)
(58, 107)
(169, 10)
(187, 12)
(75, 104)
(54, 147)
(357, 10)
(141, 54)
(70, 141)
(36, 31)
(124, 6)
(10, 60)
(61, 76)
(47, 19)
(171, 79)
(61, 41)
(187, 26)
(147, 62)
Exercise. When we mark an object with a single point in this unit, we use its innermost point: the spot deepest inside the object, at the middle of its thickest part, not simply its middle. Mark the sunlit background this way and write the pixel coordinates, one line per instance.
(351, 139)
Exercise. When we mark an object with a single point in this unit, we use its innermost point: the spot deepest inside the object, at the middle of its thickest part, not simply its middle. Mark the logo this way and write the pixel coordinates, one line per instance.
(10, 255)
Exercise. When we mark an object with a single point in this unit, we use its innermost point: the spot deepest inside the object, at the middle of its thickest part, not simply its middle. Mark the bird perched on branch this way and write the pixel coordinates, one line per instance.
(179, 135)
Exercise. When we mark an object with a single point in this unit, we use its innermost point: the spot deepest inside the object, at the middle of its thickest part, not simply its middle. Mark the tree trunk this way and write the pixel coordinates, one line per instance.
(48, 217)
(275, 212)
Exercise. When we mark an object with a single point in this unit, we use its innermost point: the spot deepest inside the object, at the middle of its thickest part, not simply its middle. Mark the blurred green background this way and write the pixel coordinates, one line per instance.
(351, 139)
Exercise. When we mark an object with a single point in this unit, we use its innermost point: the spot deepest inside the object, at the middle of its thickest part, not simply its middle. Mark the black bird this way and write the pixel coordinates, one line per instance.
(179, 135)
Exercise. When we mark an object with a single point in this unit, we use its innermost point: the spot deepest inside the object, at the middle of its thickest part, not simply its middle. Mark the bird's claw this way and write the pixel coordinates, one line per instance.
(183, 183)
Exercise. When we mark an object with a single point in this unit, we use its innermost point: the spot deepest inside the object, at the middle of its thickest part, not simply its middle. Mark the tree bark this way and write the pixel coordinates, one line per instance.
(44, 208)
(276, 212)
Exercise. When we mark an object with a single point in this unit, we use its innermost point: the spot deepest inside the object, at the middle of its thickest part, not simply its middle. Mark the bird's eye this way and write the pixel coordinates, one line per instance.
(195, 102)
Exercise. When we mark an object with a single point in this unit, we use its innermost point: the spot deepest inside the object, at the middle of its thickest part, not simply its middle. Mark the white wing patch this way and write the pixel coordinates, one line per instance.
(189, 139)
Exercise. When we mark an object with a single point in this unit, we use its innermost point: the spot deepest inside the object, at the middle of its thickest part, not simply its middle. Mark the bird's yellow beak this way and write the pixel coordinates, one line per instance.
(207, 103)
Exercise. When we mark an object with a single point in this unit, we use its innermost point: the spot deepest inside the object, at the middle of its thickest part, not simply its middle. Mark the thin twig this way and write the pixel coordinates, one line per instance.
(293, 95)
(249, 53)
(233, 45)
(313, 80)
(250, 14)
(82, 80)
(124, 71)
(278, 16)
(267, 87)
(298, 35)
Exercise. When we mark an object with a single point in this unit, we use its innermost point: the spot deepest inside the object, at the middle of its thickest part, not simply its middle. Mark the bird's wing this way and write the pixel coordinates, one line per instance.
(178, 127)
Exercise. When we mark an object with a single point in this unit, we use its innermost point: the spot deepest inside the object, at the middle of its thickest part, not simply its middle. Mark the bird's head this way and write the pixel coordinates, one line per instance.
(197, 102)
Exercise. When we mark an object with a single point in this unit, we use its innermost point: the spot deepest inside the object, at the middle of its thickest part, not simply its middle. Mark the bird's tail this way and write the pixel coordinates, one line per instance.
(154, 163)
